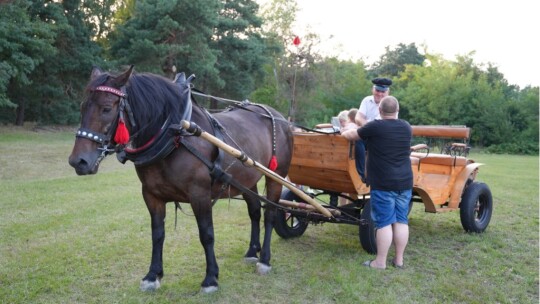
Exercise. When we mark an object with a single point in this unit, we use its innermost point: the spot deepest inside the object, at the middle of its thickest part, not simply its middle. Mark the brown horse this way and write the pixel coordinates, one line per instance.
(175, 167)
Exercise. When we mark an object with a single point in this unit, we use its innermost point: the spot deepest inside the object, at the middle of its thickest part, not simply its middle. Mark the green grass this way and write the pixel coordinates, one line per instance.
(71, 239)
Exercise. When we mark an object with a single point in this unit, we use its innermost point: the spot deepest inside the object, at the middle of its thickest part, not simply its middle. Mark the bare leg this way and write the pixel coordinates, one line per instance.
(384, 241)
(401, 237)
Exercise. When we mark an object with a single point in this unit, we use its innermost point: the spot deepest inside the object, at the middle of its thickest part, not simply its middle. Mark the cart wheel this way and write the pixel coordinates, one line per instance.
(367, 230)
(476, 207)
(286, 224)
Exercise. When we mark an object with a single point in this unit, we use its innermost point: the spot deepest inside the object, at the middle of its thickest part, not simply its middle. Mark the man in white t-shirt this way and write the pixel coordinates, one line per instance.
(368, 111)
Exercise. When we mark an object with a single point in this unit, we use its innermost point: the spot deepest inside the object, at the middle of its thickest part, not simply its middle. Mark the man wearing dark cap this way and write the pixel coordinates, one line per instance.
(369, 107)
(368, 111)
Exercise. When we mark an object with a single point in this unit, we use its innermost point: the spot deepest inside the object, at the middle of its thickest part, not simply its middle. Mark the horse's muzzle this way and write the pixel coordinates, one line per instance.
(83, 165)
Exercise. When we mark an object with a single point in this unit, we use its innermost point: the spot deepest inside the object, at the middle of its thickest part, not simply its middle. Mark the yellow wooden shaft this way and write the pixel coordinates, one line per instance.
(238, 154)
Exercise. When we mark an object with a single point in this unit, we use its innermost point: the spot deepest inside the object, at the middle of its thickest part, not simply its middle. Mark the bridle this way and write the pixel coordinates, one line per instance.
(104, 140)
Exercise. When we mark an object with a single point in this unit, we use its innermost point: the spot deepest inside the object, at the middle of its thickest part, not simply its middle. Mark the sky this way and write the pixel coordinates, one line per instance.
(503, 33)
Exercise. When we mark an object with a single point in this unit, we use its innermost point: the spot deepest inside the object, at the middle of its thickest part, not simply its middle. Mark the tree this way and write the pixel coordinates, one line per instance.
(99, 14)
(393, 61)
(462, 93)
(25, 42)
(166, 36)
(58, 83)
(528, 105)
(218, 41)
(339, 85)
(289, 78)
(241, 55)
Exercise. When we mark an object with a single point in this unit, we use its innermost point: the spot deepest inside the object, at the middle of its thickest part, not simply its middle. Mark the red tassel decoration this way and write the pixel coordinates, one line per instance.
(122, 134)
(273, 163)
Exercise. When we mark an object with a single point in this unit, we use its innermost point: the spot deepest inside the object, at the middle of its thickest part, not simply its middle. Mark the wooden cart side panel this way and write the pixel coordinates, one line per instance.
(361, 188)
(324, 179)
(321, 150)
(437, 181)
(326, 162)
(426, 198)
(316, 159)
(459, 185)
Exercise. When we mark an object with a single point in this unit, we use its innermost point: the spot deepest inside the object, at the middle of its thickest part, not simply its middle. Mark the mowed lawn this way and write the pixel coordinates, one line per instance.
(86, 239)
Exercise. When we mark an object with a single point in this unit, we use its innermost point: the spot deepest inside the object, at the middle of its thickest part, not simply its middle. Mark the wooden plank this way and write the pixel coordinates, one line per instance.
(436, 185)
(458, 132)
(314, 147)
(323, 179)
(322, 151)
(318, 161)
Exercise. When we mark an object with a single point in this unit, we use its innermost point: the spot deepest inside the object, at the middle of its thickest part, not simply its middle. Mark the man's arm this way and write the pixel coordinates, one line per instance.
(351, 134)
(360, 119)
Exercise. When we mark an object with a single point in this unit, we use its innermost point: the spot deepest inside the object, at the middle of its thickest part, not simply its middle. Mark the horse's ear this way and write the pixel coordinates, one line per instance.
(96, 71)
(122, 79)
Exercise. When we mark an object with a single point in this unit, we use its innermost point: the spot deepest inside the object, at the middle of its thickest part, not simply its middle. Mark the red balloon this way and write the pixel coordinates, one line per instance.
(296, 41)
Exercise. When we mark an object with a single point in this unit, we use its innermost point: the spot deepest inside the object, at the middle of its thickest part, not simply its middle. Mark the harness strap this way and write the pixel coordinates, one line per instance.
(237, 104)
(91, 135)
(273, 127)
(216, 173)
(224, 177)
(119, 93)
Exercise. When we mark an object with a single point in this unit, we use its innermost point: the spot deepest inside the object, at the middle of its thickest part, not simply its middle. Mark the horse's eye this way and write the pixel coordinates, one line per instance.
(107, 110)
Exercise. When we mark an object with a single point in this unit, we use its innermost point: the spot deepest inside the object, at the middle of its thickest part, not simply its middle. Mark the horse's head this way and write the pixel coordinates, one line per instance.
(99, 120)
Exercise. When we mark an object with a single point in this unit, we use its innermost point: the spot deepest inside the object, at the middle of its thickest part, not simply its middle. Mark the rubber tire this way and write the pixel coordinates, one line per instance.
(411, 203)
(476, 207)
(287, 225)
(367, 231)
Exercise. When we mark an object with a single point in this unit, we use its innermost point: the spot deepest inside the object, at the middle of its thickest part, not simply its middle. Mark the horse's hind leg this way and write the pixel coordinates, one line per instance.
(273, 194)
(254, 210)
(157, 215)
(203, 213)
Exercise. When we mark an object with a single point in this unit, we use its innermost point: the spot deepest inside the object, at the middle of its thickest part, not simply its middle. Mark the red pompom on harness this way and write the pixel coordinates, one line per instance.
(273, 163)
(122, 134)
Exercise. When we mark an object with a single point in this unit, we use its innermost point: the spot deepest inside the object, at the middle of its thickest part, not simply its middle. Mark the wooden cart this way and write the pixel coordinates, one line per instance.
(323, 166)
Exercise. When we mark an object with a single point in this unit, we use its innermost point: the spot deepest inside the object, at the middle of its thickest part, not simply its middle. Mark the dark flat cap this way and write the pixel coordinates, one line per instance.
(382, 84)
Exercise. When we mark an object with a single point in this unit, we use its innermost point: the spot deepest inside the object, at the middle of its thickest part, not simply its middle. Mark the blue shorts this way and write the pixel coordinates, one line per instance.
(389, 207)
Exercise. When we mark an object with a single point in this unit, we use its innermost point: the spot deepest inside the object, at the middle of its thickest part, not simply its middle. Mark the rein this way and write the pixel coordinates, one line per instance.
(242, 104)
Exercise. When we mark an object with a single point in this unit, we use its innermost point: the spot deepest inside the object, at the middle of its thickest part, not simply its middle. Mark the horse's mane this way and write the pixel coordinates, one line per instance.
(152, 99)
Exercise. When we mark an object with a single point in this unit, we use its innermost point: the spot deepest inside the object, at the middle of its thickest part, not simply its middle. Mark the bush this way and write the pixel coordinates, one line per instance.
(521, 148)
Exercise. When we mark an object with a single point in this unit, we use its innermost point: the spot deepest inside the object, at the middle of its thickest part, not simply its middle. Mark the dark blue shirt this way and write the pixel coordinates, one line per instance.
(388, 143)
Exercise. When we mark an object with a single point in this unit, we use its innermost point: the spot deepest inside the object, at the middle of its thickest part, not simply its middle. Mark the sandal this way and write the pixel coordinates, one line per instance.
(368, 264)
(396, 265)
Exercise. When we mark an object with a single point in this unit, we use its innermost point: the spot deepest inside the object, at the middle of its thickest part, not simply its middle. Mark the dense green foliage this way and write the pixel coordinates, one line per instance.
(238, 50)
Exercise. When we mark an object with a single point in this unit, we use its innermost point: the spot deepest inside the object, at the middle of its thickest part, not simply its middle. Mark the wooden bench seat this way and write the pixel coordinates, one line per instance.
(440, 159)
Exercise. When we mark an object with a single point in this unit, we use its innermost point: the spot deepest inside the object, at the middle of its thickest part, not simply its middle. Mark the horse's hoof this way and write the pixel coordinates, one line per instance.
(209, 289)
(251, 260)
(263, 269)
(149, 285)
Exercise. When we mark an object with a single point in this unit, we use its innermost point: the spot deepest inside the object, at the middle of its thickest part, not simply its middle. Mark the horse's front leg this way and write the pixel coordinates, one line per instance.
(157, 211)
(202, 209)
(254, 210)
